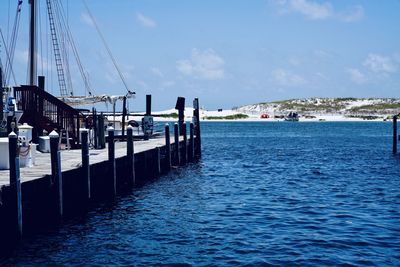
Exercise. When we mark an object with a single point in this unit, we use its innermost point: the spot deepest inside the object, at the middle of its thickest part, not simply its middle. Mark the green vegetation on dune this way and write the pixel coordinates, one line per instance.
(381, 106)
(229, 117)
(170, 115)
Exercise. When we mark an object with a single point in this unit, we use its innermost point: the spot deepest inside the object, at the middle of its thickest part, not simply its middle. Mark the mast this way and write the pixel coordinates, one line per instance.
(32, 44)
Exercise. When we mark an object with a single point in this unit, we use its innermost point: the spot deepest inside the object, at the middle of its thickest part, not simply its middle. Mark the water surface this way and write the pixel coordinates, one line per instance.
(264, 193)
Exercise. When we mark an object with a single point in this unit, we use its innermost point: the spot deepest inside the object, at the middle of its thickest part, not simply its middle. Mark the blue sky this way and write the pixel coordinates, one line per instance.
(230, 53)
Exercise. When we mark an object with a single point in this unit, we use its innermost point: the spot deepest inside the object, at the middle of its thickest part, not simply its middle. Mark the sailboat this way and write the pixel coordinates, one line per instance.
(31, 103)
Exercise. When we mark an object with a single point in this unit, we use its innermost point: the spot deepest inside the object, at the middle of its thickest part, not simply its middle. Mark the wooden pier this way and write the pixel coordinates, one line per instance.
(64, 183)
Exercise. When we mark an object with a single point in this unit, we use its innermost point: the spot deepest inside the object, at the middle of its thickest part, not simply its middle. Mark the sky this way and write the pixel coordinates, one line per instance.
(226, 53)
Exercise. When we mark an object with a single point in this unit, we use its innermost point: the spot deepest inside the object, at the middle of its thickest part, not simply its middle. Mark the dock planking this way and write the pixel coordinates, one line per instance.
(71, 159)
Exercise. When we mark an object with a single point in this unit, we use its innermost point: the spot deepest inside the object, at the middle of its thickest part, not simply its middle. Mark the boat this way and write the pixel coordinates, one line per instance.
(292, 116)
(34, 105)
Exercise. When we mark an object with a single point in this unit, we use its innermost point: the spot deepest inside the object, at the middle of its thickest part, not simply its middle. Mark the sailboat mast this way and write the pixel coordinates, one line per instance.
(32, 44)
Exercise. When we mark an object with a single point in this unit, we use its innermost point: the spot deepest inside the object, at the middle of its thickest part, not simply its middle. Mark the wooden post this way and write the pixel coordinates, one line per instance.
(15, 182)
(191, 143)
(394, 134)
(158, 151)
(41, 85)
(95, 128)
(12, 154)
(111, 159)
(130, 154)
(148, 105)
(184, 152)
(167, 148)
(180, 106)
(102, 138)
(196, 115)
(56, 172)
(85, 161)
(123, 116)
(176, 144)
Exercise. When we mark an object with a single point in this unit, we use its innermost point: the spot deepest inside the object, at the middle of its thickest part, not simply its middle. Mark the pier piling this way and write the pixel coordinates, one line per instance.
(130, 156)
(177, 153)
(167, 148)
(184, 149)
(191, 143)
(180, 106)
(196, 115)
(15, 183)
(85, 161)
(56, 174)
(395, 134)
(111, 162)
(158, 158)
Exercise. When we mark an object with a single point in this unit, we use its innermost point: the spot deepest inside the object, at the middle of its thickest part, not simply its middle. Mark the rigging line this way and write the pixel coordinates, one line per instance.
(64, 43)
(56, 49)
(106, 45)
(59, 9)
(75, 51)
(8, 56)
(8, 21)
(76, 54)
(13, 42)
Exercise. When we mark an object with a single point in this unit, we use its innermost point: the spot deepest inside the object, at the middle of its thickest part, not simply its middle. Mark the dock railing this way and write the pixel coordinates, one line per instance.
(44, 111)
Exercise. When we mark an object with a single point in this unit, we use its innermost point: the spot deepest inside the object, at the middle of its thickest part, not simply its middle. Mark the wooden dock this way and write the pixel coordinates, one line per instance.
(71, 159)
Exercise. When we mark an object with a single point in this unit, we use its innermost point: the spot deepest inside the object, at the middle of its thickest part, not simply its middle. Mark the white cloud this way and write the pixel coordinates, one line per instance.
(157, 72)
(354, 13)
(286, 78)
(146, 21)
(357, 76)
(315, 10)
(380, 64)
(205, 64)
(168, 83)
(312, 10)
(85, 18)
(294, 61)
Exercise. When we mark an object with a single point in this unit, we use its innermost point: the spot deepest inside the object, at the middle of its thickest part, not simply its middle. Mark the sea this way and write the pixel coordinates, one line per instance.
(263, 194)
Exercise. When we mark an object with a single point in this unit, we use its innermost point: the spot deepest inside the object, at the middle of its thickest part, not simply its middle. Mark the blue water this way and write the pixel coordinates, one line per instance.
(263, 193)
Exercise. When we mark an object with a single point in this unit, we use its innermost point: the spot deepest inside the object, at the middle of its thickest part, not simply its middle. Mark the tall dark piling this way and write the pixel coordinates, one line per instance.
(95, 128)
(15, 183)
(56, 175)
(191, 143)
(102, 138)
(395, 134)
(196, 115)
(39, 131)
(148, 105)
(184, 148)
(130, 154)
(180, 106)
(124, 111)
(112, 174)
(177, 160)
(85, 162)
(167, 148)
